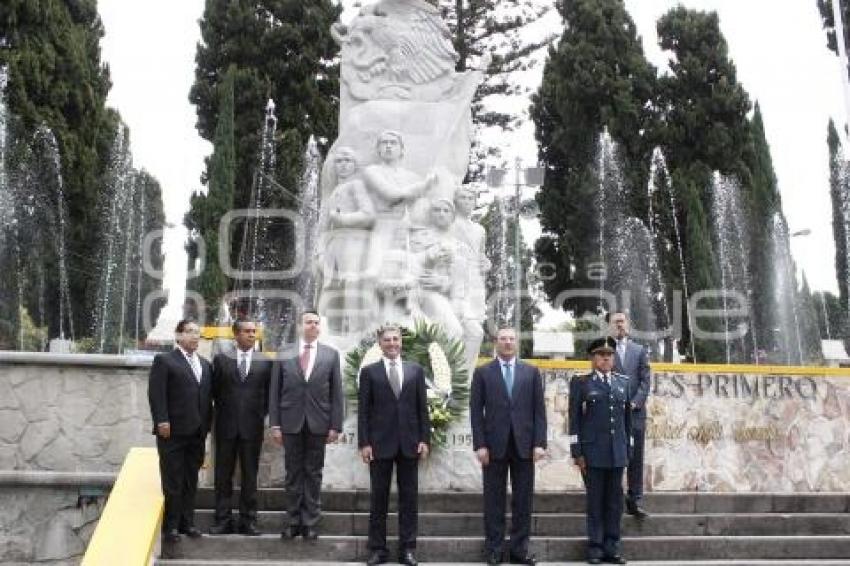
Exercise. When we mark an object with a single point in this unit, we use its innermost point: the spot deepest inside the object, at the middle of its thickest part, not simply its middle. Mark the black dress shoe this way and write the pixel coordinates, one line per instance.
(191, 531)
(377, 558)
(594, 560)
(171, 536)
(494, 557)
(616, 559)
(291, 532)
(222, 528)
(635, 511)
(309, 533)
(527, 559)
(249, 530)
(407, 557)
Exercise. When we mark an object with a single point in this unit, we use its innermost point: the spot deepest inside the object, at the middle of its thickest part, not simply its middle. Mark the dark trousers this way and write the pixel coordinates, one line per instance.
(495, 494)
(303, 460)
(635, 469)
(180, 458)
(226, 452)
(604, 511)
(407, 481)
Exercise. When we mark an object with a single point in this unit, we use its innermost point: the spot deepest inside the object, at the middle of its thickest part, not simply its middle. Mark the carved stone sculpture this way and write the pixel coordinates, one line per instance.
(345, 232)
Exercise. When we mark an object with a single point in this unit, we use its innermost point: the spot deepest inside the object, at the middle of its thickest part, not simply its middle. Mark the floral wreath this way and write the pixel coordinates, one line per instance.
(443, 361)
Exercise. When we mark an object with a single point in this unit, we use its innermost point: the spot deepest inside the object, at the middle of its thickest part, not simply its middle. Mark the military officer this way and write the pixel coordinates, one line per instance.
(600, 442)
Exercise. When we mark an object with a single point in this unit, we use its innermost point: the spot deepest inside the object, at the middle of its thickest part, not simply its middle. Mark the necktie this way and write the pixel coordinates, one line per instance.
(605, 378)
(395, 383)
(508, 374)
(243, 367)
(621, 348)
(304, 360)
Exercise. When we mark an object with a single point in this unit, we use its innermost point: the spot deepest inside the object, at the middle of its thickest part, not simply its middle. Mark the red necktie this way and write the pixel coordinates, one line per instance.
(304, 360)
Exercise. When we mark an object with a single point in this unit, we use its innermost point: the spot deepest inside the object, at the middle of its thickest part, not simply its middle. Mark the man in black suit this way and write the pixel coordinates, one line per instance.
(508, 417)
(632, 359)
(179, 395)
(305, 413)
(240, 394)
(393, 427)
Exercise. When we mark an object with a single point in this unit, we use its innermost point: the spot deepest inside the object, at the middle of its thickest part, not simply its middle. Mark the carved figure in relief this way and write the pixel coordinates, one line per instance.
(471, 237)
(345, 228)
(441, 271)
(392, 189)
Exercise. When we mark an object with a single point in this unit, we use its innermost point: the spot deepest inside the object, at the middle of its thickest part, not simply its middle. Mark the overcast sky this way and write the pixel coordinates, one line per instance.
(778, 48)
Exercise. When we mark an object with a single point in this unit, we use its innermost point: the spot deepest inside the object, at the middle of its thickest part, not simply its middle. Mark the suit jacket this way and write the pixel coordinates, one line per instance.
(240, 408)
(317, 402)
(176, 397)
(636, 367)
(391, 425)
(494, 414)
(600, 420)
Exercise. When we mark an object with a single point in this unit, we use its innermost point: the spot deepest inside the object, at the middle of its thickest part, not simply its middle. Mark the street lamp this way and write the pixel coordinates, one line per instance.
(523, 176)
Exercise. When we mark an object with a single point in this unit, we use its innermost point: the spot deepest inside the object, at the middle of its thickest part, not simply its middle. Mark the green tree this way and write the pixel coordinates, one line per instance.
(808, 324)
(283, 50)
(700, 260)
(206, 210)
(839, 193)
(496, 28)
(597, 78)
(705, 128)
(52, 51)
(762, 202)
(827, 16)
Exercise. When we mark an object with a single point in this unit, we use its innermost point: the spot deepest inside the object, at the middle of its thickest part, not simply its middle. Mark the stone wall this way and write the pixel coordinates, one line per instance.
(74, 413)
(49, 518)
(709, 431)
(784, 430)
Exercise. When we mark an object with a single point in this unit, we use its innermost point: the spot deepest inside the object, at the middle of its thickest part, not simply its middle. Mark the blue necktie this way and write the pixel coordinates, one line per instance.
(508, 375)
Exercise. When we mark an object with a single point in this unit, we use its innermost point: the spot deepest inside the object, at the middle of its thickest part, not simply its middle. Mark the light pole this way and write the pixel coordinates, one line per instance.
(523, 176)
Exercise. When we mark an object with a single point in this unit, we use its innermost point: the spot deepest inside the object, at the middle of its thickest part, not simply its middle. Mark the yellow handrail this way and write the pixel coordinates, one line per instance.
(129, 527)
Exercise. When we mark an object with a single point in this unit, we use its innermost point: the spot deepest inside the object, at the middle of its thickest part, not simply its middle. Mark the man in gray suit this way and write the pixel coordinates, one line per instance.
(305, 413)
(632, 359)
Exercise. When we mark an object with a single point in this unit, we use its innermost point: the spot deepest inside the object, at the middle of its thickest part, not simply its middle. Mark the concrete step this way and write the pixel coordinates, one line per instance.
(573, 524)
(337, 549)
(273, 499)
(568, 563)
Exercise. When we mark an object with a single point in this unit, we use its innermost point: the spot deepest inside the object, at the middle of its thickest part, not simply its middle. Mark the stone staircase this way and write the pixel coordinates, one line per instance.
(685, 528)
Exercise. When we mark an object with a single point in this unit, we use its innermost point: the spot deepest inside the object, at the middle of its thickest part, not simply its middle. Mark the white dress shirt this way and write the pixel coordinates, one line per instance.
(314, 348)
(194, 363)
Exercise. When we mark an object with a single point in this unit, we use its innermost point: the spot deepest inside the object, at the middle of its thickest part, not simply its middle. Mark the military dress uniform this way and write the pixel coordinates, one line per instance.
(600, 432)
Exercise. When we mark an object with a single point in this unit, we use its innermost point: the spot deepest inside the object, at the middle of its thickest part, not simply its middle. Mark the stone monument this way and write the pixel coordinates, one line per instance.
(397, 241)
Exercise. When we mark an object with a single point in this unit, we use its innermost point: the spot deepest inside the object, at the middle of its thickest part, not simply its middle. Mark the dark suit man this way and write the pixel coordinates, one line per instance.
(305, 413)
(240, 396)
(600, 438)
(632, 359)
(179, 395)
(393, 427)
(508, 416)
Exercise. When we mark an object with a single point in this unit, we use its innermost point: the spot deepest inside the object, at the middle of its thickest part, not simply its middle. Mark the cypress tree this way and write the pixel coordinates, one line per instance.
(207, 209)
(56, 78)
(597, 78)
(839, 193)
